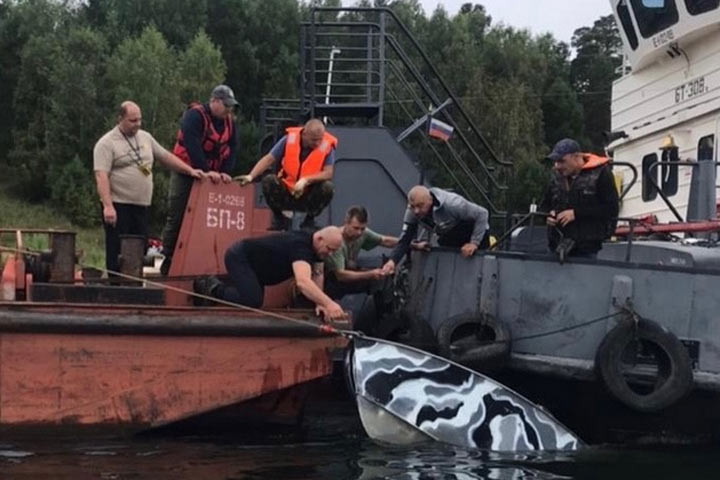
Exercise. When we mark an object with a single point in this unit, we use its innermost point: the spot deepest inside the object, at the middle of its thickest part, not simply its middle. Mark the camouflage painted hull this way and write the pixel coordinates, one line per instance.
(407, 396)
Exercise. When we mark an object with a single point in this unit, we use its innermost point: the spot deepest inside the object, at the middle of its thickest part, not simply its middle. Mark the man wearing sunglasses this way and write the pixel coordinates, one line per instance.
(581, 200)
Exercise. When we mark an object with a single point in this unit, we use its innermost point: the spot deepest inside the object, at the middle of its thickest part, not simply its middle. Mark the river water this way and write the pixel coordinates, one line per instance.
(331, 445)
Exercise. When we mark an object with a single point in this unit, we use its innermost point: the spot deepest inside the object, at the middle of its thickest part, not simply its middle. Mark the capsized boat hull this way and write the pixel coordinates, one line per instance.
(400, 388)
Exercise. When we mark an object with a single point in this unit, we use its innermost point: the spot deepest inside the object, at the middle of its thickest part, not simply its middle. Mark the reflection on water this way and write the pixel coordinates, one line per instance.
(332, 446)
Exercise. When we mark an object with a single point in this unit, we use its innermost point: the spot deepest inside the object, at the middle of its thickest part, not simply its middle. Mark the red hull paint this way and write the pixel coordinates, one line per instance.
(145, 381)
(140, 366)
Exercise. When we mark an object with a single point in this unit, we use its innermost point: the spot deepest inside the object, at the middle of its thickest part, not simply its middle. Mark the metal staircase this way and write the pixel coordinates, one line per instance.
(363, 67)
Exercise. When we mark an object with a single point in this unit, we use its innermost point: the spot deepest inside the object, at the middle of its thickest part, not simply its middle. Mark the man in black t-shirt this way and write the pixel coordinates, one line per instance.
(256, 262)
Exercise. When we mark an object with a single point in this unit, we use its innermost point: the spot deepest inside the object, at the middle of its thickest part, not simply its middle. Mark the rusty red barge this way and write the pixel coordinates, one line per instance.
(79, 353)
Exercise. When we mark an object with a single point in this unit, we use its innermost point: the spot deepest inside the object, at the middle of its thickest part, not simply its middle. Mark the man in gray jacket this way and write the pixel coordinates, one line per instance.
(456, 221)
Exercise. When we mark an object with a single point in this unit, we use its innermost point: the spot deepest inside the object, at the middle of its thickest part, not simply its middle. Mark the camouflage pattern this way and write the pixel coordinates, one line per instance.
(447, 402)
(313, 201)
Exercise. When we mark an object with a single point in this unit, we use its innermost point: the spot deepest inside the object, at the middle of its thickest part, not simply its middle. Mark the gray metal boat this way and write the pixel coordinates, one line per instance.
(626, 345)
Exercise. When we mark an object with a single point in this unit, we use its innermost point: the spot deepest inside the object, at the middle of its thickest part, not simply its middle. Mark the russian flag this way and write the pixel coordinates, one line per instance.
(439, 129)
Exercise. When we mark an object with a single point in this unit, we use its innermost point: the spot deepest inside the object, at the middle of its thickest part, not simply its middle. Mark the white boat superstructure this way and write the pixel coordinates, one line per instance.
(671, 88)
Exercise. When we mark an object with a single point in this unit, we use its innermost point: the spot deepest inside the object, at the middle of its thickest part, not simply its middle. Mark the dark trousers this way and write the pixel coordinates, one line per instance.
(245, 288)
(131, 220)
(460, 234)
(316, 197)
(178, 193)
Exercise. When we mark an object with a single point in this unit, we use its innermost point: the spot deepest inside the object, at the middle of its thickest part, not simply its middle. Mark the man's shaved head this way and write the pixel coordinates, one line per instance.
(312, 133)
(327, 240)
(418, 193)
(420, 201)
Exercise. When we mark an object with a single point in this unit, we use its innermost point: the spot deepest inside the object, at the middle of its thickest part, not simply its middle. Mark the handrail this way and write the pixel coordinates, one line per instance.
(455, 155)
(634, 170)
(425, 57)
(651, 170)
(428, 91)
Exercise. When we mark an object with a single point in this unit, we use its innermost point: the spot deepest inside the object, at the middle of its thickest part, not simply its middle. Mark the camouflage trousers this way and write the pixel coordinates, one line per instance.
(316, 197)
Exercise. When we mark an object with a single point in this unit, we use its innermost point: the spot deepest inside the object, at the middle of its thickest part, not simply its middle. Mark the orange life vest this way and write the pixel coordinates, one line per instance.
(593, 161)
(291, 169)
(215, 145)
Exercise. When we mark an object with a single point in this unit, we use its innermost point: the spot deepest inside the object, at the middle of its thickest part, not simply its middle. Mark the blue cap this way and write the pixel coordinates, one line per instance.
(562, 148)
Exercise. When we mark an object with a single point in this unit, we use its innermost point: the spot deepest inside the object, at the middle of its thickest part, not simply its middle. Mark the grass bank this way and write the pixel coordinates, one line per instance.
(17, 213)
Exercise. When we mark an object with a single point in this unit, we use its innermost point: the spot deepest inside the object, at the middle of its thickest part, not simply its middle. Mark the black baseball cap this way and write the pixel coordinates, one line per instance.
(224, 93)
(562, 148)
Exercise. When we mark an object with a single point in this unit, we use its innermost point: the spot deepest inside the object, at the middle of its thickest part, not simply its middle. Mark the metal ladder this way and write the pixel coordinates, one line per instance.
(362, 66)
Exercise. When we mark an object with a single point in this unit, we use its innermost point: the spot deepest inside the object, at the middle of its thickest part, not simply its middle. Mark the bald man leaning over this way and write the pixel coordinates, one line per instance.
(123, 161)
(256, 262)
(307, 156)
(456, 221)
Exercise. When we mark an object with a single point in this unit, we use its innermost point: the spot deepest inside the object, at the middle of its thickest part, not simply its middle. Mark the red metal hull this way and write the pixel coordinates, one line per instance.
(90, 354)
(84, 368)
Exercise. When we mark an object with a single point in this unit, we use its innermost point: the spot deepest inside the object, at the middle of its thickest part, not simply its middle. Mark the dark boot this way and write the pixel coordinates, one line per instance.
(308, 223)
(205, 286)
(165, 266)
(279, 223)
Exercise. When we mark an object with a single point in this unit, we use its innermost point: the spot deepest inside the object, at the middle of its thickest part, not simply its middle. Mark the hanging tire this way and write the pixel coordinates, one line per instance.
(477, 341)
(645, 367)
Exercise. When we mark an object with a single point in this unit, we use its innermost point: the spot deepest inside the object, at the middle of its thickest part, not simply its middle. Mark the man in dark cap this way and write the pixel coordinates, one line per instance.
(207, 140)
(581, 200)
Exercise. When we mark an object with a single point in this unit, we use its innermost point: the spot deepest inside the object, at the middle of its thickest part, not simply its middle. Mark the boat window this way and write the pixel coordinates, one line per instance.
(654, 16)
(696, 7)
(706, 148)
(624, 14)
(669, 173)
(649, 192)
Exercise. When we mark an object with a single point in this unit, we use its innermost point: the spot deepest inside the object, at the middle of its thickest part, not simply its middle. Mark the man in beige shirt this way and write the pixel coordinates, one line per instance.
(123, 161)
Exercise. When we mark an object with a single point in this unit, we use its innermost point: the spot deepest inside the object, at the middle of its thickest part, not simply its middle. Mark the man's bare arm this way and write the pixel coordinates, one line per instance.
(102, 181)
(263, 164)
(389, 242)
(349, 276)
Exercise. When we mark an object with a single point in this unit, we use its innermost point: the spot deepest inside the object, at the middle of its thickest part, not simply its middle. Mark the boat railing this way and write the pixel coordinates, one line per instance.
(635, 228)
(650, 177)
(363, 67)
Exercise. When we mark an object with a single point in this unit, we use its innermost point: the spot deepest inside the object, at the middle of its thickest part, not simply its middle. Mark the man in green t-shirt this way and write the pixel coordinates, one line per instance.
(342, 275)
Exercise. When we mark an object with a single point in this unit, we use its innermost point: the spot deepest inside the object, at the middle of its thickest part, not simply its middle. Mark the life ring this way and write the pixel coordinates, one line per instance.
(477, 341)
(646, 367)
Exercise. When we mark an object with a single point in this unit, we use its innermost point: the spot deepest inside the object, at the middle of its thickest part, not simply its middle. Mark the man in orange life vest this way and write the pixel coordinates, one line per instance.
(207, 140)
(303, 181)
(581, 200)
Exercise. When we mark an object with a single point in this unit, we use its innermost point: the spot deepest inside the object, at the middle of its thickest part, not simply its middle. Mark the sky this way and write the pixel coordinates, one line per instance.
(559, 17)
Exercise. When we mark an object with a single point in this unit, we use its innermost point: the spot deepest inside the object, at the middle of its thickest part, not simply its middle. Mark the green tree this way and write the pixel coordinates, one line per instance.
(177, 20)
(144, 69)
(74, 121)
(29, 157)
(599, 54)
(19, 22)
(200, 68)
(73, 192)
(259, 42)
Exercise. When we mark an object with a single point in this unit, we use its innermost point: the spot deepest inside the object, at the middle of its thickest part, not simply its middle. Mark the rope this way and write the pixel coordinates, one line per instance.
(325, 328)
(18, 250)
(567, 329)
(560, 330)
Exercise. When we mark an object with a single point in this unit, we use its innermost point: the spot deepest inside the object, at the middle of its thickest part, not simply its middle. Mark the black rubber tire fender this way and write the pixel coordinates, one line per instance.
(475, 340)
(674, 368)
